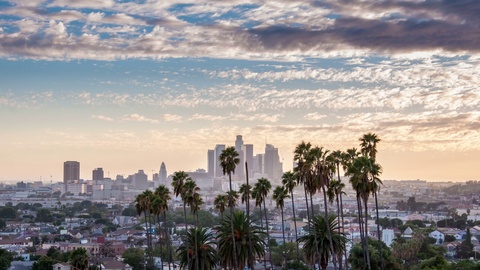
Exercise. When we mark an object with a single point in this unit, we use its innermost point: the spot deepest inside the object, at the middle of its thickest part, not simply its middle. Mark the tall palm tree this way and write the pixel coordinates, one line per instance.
(368, 144)
(279, 195)
(232, 197)
(289, 182)
(143, 205)
(163, 192)
(228, 253)
(192, 198)
(323, 241)
(229, 160)
(178, 181)
(338, 187)
(245, 192)
(205, 256)
(221, 202)
(262, 188)
(79, 259)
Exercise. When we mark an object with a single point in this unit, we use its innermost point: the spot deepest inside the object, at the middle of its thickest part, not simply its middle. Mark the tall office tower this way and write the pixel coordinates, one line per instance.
(97, 174)
(211, 163)
(218, 151)
(140, 180)
(257, 164)
(163, 174)
(240, 169)
(272, 165)
(248, 155)
(71, 171)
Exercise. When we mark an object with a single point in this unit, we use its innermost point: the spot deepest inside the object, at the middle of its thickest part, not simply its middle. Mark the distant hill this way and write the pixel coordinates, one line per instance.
(468, 188)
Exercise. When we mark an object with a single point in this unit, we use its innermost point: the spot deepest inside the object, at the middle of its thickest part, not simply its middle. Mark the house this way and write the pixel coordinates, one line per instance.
(408, 233)
(438, 236)
(62, 266)
(115, 265)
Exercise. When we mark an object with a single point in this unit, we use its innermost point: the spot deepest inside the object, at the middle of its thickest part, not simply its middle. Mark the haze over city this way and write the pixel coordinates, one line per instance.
(126, 86)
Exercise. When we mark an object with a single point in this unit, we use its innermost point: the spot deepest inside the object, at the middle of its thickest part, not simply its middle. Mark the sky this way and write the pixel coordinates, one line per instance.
(126, 85)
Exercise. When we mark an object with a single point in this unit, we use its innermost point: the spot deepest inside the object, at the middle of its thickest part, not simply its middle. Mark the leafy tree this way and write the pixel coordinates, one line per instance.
(289, 249)
(130, 211)
(44, 215)
(3, 224)
(6, 258)
(356, 256)
(134, 257)
(44, 263)
(8, 213)
(79, 259)
(434, 263)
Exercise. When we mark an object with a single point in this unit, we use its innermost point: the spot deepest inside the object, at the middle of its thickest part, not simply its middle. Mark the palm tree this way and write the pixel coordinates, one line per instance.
(338, 186)
(234, 198)
(368, 144)
(192, 198)
(279, 195)
(246, 192)
(289, 182)
(335, 191)
(79, 259)
(323, 241)
(163, 192)
(205, 256)
(229, 160)
(220, 203)
(178, 181)
(228, 253)
(143, 205)
(262, 188)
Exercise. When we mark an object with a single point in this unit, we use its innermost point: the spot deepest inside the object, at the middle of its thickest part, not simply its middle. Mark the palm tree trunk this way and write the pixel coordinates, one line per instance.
(284, 242)
(261, 224)
(268, 234)
(343, 230)
(367, 253)
(148, 234)
(250, 248)
(295, 224)
(186, 238)
(329, 233)
(362, 231)
(196, 243)
(315, 231)
(167, 237)
(231, 223)
(379, 233)
(340, 255)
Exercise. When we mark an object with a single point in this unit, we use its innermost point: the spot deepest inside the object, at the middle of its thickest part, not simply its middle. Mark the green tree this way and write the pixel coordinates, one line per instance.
(3, 224)
(356, 256)
(228, 254)
(129, 211)
(323, 240)
(260, 193)
(229, 160)
(8, 213)
(44, 263)
(6, 259)
(221, 202)
(79, 259)
(135, 258)
(143, 205)
(201, 247)
(289, 181)
(279, 195)
(44, 215)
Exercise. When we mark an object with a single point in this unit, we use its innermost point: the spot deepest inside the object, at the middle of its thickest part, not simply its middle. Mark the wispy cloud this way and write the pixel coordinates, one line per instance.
(138, 118)
(103, 118)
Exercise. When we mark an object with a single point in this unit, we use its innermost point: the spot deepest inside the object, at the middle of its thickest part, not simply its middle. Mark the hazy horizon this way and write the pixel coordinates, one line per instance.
(125, 86)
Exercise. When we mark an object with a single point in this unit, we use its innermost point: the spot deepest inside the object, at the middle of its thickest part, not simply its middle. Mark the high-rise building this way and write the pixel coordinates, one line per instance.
(218, 151)
(97, 174)
(240, 169)
(211, 163)
(140, 180)
(163, 174)
(257, 164)
(71, 171)
(272, 164)
(248, 155)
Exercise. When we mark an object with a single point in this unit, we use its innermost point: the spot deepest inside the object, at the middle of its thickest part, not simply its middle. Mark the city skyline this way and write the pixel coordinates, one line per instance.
(124, 85)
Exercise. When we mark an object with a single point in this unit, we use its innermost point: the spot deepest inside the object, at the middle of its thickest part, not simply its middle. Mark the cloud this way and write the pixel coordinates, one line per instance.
(171, 118)
(138, 118)
(314, 116)
(102, 117)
